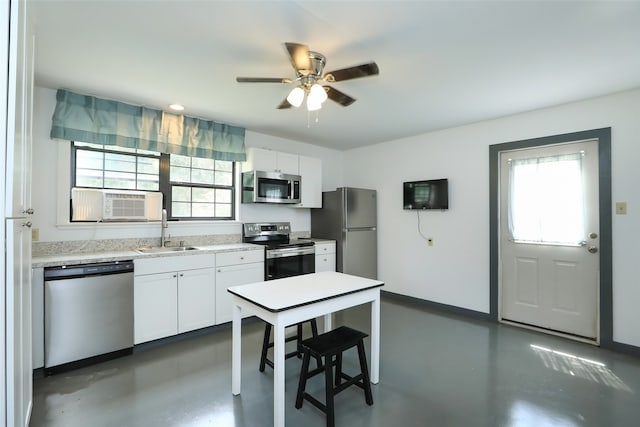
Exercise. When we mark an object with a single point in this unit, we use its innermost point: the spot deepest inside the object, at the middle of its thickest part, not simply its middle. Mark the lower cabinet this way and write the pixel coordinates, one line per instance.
(155, 306)
(325, 256)
(235, 268)
(196, 299)
(173, 295)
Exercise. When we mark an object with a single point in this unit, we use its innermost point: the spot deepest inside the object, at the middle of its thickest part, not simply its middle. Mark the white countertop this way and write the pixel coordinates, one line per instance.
(282, 294)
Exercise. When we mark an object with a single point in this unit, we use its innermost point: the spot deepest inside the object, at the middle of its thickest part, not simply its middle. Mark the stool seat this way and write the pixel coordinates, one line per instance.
(331, 345)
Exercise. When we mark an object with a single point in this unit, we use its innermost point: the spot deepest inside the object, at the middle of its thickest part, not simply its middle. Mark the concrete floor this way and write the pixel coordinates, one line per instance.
(436, 370)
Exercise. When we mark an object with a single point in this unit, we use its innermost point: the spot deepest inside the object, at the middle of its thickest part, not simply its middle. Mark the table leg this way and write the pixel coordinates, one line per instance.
(375, 340)
(327, 322)
(236, 350)
(278, 374)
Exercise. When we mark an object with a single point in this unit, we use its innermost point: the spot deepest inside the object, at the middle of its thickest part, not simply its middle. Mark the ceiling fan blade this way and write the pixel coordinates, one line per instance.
(339, 97)
(364, 70)
(299, 55)
(262, 80)
(284, 104)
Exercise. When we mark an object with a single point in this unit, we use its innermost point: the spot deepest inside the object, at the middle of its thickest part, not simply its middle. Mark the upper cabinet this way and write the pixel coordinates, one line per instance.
(311, 188)
(309, 168)
(271, 161)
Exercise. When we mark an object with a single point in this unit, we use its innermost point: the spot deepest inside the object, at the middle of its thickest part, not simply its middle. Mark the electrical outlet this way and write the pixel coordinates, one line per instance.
(35, 234)
(621, 208)
(430, 241)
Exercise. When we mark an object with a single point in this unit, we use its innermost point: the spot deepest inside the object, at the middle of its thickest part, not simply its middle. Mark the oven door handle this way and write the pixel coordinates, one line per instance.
(287, 252)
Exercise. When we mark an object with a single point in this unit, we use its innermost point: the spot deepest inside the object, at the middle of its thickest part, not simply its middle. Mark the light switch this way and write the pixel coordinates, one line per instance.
(35, 234)
(621, 208)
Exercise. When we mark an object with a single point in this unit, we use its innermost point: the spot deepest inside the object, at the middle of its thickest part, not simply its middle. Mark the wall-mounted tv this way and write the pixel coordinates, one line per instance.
(429, 194)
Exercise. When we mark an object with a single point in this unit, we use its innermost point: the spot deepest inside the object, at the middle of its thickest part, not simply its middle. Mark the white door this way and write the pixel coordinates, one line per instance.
(549, 227)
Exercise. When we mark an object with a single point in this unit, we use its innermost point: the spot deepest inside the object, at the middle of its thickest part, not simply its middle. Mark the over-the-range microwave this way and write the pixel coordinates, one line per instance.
(270, 187)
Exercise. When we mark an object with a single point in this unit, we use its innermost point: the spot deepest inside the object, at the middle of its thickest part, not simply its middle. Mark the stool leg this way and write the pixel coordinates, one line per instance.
(299, 339)
(366, 382)
(314, 333)
(265, 346)
(302, 382)
(338, 369)
(329, 390)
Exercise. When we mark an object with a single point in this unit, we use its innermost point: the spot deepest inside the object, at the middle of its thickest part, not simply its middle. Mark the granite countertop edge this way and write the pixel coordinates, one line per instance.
(94, 257)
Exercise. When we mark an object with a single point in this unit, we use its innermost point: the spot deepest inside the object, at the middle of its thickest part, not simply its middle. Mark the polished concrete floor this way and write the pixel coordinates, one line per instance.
(436, 370)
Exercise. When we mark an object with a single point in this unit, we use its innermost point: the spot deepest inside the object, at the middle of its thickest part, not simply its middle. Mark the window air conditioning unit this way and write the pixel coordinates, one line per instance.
(89, 204)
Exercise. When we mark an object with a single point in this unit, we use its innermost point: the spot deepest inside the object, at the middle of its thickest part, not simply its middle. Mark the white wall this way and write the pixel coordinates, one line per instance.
(51, 178)
(455, 270)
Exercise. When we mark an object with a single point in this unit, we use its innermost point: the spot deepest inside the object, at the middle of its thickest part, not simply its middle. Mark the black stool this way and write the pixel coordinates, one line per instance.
(328, 345)
(267, 344)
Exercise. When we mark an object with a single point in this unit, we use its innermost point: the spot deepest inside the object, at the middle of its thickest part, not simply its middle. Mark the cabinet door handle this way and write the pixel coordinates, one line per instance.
(241, 258)
(181, 274)
(174, 276)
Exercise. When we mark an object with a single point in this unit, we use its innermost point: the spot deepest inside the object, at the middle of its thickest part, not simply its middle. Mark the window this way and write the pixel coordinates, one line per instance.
(546, 200)
(200, 188)
(193, 188)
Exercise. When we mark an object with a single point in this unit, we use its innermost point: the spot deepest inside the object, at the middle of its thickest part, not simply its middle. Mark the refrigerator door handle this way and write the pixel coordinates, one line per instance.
(345, 230)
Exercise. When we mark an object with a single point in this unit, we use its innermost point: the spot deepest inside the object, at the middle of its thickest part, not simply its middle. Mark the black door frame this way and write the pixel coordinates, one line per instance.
(603, 135)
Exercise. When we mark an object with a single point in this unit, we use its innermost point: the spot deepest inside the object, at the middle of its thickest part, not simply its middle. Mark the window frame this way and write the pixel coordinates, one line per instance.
(164, 182)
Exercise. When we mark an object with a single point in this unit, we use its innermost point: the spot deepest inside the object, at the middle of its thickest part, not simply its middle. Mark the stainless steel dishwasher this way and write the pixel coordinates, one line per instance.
(88, 314)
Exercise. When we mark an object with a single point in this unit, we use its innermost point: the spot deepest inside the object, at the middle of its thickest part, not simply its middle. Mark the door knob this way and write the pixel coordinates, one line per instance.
(593, 249)
(593, 235)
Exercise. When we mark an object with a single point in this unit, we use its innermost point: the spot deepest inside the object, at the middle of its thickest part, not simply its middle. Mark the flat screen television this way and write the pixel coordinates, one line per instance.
(428, 194)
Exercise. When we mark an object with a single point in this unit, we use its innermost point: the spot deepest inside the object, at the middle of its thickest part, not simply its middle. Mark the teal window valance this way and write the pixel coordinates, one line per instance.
(100, 121)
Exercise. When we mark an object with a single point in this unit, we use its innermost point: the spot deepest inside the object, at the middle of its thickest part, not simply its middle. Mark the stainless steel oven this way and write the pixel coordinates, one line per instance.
(284, 257)
(286, 262)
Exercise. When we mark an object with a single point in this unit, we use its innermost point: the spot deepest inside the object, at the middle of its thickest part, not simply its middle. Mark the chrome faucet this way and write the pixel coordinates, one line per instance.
(164, 226)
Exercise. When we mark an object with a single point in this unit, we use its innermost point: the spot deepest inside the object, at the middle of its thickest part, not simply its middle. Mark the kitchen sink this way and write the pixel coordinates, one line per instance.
(162, 249)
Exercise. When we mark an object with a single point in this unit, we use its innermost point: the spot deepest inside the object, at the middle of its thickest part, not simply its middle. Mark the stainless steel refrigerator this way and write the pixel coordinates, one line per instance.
(349, 216)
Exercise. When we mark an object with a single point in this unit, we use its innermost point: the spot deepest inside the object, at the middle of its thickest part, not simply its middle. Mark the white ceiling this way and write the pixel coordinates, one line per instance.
(442, 63)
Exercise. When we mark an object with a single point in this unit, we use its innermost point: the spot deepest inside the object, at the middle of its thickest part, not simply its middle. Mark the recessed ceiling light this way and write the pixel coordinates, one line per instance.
(176, 107)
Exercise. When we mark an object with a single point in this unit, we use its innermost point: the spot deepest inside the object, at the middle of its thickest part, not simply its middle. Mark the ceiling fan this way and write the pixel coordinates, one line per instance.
(310, 79)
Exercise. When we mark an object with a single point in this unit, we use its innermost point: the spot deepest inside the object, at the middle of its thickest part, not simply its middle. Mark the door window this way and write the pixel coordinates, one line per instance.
(546, 200)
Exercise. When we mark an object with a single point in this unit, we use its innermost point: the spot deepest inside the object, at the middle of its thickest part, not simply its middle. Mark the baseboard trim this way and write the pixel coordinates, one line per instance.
(618, 347)
(445, 308)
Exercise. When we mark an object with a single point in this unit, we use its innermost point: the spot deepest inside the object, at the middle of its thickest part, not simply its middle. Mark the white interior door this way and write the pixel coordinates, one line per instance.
(549, 227)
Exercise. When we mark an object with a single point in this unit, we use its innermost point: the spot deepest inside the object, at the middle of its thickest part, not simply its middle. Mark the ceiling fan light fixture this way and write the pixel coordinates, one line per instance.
(312, 105)
(317, 93)
(296, 96)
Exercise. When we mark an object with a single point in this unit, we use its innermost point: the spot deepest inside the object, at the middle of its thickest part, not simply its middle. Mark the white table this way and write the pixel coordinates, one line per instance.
(284, 302)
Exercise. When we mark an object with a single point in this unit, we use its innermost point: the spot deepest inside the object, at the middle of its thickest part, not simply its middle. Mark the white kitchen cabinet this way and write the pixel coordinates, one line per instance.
(196, 299)
(311, 186)
(325, 256)
(309, 168)
(155, 306)
(173, 295)
(271, 161)
(235, 268)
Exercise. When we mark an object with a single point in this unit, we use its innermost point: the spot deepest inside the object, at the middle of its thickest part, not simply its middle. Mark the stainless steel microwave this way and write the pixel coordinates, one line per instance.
(270, 187)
